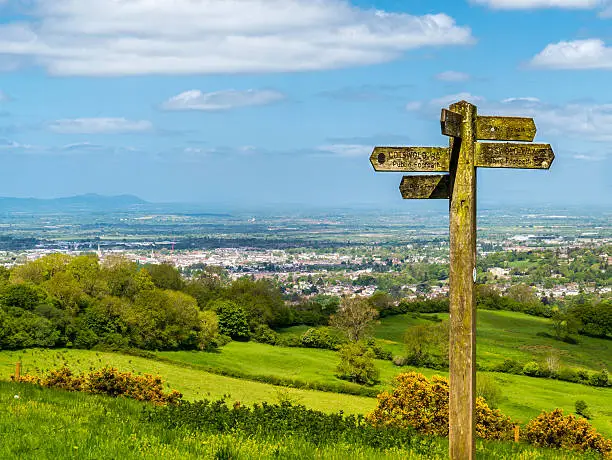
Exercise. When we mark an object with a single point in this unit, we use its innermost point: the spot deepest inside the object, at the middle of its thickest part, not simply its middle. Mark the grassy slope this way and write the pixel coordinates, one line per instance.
(504, 334)
(501, 334)
(59, 424)
(193, 383)
(526, 397)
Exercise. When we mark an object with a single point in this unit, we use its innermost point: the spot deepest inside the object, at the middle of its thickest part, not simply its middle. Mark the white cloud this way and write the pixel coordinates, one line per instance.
(535, 4)
(445, 101)
(99, 126)
(9, 144)
(588, 157)
(221, 100)
(347, 150)
(520, 99)
(451, 75)
(578, 54)
(432, 107)
(130, 37)
(585, 122)
(413, 106)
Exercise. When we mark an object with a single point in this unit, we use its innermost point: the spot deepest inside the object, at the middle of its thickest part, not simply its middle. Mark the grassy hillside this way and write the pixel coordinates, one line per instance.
(500, 335)
(51, 424)
(524, 397)
(193, 383)
(504, 334)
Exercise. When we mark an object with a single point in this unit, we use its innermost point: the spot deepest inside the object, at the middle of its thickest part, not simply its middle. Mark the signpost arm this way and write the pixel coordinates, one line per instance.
(462, 353)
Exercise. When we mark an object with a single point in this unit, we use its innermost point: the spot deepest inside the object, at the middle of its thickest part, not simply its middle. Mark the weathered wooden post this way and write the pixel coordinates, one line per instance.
(17, 371)
(464, 154)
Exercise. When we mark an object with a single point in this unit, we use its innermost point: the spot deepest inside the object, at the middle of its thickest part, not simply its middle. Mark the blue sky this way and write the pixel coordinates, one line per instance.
(263, 102)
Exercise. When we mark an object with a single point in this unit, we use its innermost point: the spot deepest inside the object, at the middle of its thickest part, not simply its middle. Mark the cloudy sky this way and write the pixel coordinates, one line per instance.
(263, 102)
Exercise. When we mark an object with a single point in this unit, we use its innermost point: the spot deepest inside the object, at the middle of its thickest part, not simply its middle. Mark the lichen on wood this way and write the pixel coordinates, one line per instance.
(416, 159)
(422, 187)
(505, 129)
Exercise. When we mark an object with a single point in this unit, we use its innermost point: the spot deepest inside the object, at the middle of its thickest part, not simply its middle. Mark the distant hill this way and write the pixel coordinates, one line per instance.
(87, 202)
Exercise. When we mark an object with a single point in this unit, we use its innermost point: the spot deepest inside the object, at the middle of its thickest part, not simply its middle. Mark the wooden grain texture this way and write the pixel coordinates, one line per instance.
(450, 123)
(405, 159)
(423, 187)
(505, 129)
(462, 356)
(509, 155)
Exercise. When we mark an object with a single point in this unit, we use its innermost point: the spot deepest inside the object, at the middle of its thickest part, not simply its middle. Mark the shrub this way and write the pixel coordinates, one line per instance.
(232, 319)
(583, 374)
(357, 364)
(263, 334)
(599, 379)
(423, 405)
(553, 429)
(582, 409)
(268, 419)
(487, 388)
(108, 381)
(378, 351)
(319, 338)
(568, 374)
(509, 366)
(289, 340)
(531, 368)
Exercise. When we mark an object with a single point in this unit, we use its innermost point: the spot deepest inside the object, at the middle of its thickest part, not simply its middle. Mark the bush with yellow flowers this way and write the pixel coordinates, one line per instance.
(419, 403)
(553, 429)
(108, 381)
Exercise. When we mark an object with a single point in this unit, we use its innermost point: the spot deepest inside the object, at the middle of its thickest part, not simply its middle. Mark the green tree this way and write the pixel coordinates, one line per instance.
(355, 318)
(381, 301)
(260, 299)
(424, 342)
(232, 318)
(22, 295)
(85, 269)
(120, 275)
(522, 293)
(563, 324)
(208, 330)
(357, 364)
(66, 292)
(165, 276)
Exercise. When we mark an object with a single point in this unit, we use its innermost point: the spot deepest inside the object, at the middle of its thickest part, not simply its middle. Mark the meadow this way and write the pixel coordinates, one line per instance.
(48, 424)
(213, 375)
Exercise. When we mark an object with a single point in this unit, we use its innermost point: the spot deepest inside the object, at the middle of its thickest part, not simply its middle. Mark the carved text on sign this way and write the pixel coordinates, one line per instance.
(508, 155)
(423, 159)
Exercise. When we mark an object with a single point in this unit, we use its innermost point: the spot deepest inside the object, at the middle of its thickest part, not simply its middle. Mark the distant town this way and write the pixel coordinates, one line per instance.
(343, 256)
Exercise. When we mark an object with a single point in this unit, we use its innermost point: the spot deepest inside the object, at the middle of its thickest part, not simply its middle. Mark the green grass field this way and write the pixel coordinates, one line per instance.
(51, 424)
(525, 397)
(193, 383)
(504, 334)
(500, 335)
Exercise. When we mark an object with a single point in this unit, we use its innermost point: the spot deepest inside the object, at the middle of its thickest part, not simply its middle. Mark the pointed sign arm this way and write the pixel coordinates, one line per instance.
(416, 159)
(505, 129)
(509, 155)
(421, 187)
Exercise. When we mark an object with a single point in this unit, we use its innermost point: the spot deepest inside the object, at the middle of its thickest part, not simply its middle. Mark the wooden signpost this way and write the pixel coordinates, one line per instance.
(464, 154)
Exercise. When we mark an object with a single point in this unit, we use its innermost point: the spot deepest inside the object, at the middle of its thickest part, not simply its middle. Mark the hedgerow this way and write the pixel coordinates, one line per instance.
(279, 421)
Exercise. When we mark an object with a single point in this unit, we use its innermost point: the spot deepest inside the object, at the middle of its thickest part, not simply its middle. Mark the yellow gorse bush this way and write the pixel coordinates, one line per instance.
(553, 429)
(423, 405)
(108, 381)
